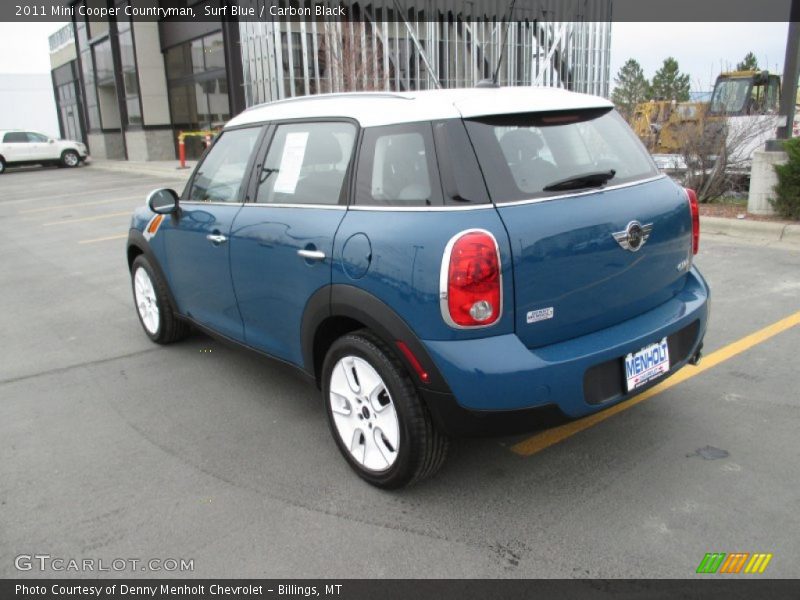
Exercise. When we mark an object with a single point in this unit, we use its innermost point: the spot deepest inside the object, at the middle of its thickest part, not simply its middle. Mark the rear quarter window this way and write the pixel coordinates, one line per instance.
(397, 167)
(520, 155)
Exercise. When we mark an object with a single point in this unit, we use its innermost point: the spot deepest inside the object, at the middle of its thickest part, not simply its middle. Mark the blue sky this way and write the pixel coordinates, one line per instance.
(701, 49)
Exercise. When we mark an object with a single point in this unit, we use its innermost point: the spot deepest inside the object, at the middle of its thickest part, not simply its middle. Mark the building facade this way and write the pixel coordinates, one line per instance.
(128, 87)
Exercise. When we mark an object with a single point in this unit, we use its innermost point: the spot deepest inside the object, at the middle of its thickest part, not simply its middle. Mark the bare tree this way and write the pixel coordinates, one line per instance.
(718, 152)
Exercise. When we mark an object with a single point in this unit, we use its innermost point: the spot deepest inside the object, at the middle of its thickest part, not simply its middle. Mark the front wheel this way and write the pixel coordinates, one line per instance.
(152, 304)
(70, 158)
(376, 416)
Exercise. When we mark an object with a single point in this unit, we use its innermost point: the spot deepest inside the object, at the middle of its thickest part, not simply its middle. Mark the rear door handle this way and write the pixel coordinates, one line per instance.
(216, 238)
(311, 254)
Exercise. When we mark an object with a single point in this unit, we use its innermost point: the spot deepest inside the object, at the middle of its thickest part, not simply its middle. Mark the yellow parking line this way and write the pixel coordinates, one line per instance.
(77, 204)
(119, 236)
(83, 192)
(94, 218)
(553, 436)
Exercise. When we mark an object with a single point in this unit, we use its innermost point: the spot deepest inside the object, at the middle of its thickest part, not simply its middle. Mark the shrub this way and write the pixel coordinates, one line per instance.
(787, 191)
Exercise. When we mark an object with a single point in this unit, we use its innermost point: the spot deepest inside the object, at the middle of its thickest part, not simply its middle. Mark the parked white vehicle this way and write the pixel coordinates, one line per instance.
(19, 147)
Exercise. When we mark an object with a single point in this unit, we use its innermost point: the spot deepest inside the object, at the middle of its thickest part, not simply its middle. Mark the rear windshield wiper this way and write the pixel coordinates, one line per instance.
(593, 179)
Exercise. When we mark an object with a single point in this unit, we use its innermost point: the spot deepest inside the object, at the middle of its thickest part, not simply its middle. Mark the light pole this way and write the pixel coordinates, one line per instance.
(789, 83)
(762, 169)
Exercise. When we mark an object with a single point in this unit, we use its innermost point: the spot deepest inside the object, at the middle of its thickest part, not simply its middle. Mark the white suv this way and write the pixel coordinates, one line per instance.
(28, 147)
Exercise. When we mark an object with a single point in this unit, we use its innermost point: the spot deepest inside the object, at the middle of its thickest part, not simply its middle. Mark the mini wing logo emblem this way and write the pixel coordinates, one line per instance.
(633, 236)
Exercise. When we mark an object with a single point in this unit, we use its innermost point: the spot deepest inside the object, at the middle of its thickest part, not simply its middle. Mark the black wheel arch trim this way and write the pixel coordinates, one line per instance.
(341, 300)
(136, 240)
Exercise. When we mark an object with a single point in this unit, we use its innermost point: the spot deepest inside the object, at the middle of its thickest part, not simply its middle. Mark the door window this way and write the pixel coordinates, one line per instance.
(219, 177)
(15, 137)
(397, 167)
(306, 164)
(37, 138)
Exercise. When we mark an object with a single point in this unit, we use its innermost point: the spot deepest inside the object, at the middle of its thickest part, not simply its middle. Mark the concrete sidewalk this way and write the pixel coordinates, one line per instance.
(737, 228)
(766, 231)
(169, 169)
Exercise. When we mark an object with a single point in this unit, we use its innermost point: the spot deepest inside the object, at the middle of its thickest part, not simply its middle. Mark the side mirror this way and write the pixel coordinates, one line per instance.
(163, 201)
(51, 141)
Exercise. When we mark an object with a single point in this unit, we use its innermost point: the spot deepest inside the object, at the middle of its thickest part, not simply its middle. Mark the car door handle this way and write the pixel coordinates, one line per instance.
(311, 254)
(216, 238)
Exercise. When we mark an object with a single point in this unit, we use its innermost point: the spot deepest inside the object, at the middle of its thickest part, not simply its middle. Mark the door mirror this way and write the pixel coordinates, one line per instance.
(51, 141)
(163, 201)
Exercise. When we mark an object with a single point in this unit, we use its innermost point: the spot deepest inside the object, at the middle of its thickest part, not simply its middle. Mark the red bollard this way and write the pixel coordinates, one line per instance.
(181, 150)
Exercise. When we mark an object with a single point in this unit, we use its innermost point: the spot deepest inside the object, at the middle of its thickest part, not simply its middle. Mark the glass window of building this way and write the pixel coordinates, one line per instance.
(129, 75)
(106, 85)
(198, 87)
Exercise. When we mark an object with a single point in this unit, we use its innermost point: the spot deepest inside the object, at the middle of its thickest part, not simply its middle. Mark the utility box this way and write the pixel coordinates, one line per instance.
(763, 180)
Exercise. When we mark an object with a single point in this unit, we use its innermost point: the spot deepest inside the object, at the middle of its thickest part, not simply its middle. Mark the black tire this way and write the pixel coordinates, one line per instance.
(70, 159)
(169, 327)
(422, 447)
(2, 166)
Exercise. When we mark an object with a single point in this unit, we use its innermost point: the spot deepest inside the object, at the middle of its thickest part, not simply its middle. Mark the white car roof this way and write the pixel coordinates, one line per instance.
(387, 108)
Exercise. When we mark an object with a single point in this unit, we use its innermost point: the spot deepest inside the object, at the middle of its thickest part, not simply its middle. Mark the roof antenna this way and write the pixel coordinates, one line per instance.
(493, 81)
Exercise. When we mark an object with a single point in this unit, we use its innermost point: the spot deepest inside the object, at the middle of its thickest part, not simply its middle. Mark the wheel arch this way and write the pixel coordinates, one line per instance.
(68, 151)
(138, 246)
(339, 309)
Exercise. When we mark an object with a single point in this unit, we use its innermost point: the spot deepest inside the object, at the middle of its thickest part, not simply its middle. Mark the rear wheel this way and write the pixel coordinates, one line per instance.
(152, 304)
(376, 416)
(2, 166)
(70, 158)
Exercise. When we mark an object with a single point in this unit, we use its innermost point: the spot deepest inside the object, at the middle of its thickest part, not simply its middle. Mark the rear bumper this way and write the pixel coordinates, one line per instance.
(579, 376)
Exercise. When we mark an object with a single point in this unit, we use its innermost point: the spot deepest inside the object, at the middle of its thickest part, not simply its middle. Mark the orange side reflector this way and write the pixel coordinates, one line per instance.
(155, 223)
(422, 373)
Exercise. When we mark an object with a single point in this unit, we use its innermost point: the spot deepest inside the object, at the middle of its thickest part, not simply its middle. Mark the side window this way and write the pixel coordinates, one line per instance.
(36, 138)
(397, 167)
(219, 177)
(15, 137)
(306, 164)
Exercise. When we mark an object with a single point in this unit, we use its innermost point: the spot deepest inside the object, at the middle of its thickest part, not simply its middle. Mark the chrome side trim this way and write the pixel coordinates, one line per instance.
(422, 208)
(430, 208)
(288, 205)
(263, 205)
(201, 203)
(586, 193)
(443, 276)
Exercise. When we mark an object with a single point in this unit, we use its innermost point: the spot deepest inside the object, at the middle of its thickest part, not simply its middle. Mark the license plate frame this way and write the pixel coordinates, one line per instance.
(646, 364)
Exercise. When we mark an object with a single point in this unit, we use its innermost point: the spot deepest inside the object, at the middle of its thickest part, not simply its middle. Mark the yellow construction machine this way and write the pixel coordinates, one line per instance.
(742, 101)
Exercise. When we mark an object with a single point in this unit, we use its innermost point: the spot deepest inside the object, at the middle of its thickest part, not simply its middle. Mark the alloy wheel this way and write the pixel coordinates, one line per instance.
(146, 302)
(364, 414)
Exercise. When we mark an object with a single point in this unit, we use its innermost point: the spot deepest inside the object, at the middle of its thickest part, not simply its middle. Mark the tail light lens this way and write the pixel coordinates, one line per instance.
(471, 285)
(695, 210)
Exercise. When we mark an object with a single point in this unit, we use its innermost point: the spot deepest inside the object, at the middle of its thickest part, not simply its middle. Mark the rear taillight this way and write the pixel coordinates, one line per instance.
(695, 211)
(471, 286)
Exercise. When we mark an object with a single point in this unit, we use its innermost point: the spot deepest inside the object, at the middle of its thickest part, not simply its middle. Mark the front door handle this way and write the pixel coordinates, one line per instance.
(216, 238)
(311, 254)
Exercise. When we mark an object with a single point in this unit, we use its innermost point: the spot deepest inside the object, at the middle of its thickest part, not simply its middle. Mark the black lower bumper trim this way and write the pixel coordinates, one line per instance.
(455, 420)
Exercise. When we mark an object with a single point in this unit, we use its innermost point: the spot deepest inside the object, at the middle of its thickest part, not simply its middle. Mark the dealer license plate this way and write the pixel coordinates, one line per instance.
(647, 364)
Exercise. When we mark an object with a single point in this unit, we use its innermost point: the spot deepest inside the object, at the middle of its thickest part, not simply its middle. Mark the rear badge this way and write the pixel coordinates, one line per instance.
(539, 315)
(634, 236)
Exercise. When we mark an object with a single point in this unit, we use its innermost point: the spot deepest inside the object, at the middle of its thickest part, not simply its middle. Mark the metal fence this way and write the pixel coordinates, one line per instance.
(427, 44)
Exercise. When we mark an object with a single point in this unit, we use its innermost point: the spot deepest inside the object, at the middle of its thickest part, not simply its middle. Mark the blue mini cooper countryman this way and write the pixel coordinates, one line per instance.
(440, 263)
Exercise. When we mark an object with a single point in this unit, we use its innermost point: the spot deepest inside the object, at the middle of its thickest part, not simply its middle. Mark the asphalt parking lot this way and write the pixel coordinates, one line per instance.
(111, 446)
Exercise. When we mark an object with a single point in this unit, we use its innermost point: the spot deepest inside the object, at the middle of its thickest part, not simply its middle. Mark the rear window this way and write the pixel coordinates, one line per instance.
(521, 155)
